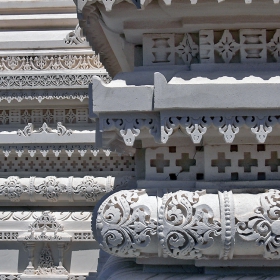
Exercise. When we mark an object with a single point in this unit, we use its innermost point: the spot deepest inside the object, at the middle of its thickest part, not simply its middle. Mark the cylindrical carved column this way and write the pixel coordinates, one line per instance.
(190, 225)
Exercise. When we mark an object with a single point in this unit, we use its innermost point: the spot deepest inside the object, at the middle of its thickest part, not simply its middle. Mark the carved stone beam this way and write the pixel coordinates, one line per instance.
(190, 225)
(53, 189)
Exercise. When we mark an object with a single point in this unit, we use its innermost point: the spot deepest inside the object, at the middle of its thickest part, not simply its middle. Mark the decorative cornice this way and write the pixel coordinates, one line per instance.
(190, 225)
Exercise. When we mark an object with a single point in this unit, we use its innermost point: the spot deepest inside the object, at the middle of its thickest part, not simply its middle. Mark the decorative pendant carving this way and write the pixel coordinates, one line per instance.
(261, 127)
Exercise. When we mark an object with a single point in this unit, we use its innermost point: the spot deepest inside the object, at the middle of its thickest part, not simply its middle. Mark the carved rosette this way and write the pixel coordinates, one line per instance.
(124, 224)
(91, 189)
(184, 227)
(51, 188)
(12, 188)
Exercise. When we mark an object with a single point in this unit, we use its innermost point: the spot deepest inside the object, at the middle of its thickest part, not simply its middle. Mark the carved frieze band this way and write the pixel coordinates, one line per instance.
(54, 149)
(190, 225)
(49, 81)
(195, 127)
(50, 62)
(53, 189)
(229, 46)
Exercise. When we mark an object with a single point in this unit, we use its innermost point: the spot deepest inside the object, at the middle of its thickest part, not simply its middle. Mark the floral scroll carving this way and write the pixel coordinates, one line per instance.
(12, 188)
(125, 225)
(184, 228)
(263, 226)
(190, 225)
(90, 189)
(51, 188)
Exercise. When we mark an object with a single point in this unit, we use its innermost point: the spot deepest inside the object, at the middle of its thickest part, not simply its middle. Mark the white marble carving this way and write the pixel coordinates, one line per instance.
(50, 62)
(124, 225)
(75, 36)
(187, 49)
(51, 188)
(190, 225)
(227, 47)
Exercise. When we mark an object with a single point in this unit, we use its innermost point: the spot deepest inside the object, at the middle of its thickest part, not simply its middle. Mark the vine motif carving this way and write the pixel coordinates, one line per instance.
(125, 226)
(51, 189)
(12, 188)
(184, 227)
(263, 226)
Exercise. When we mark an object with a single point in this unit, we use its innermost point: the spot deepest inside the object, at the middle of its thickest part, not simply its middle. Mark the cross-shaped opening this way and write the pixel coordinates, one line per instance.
(273, 162)
(247, 162)
(221, 162)
(159, 163)
(185, 162)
